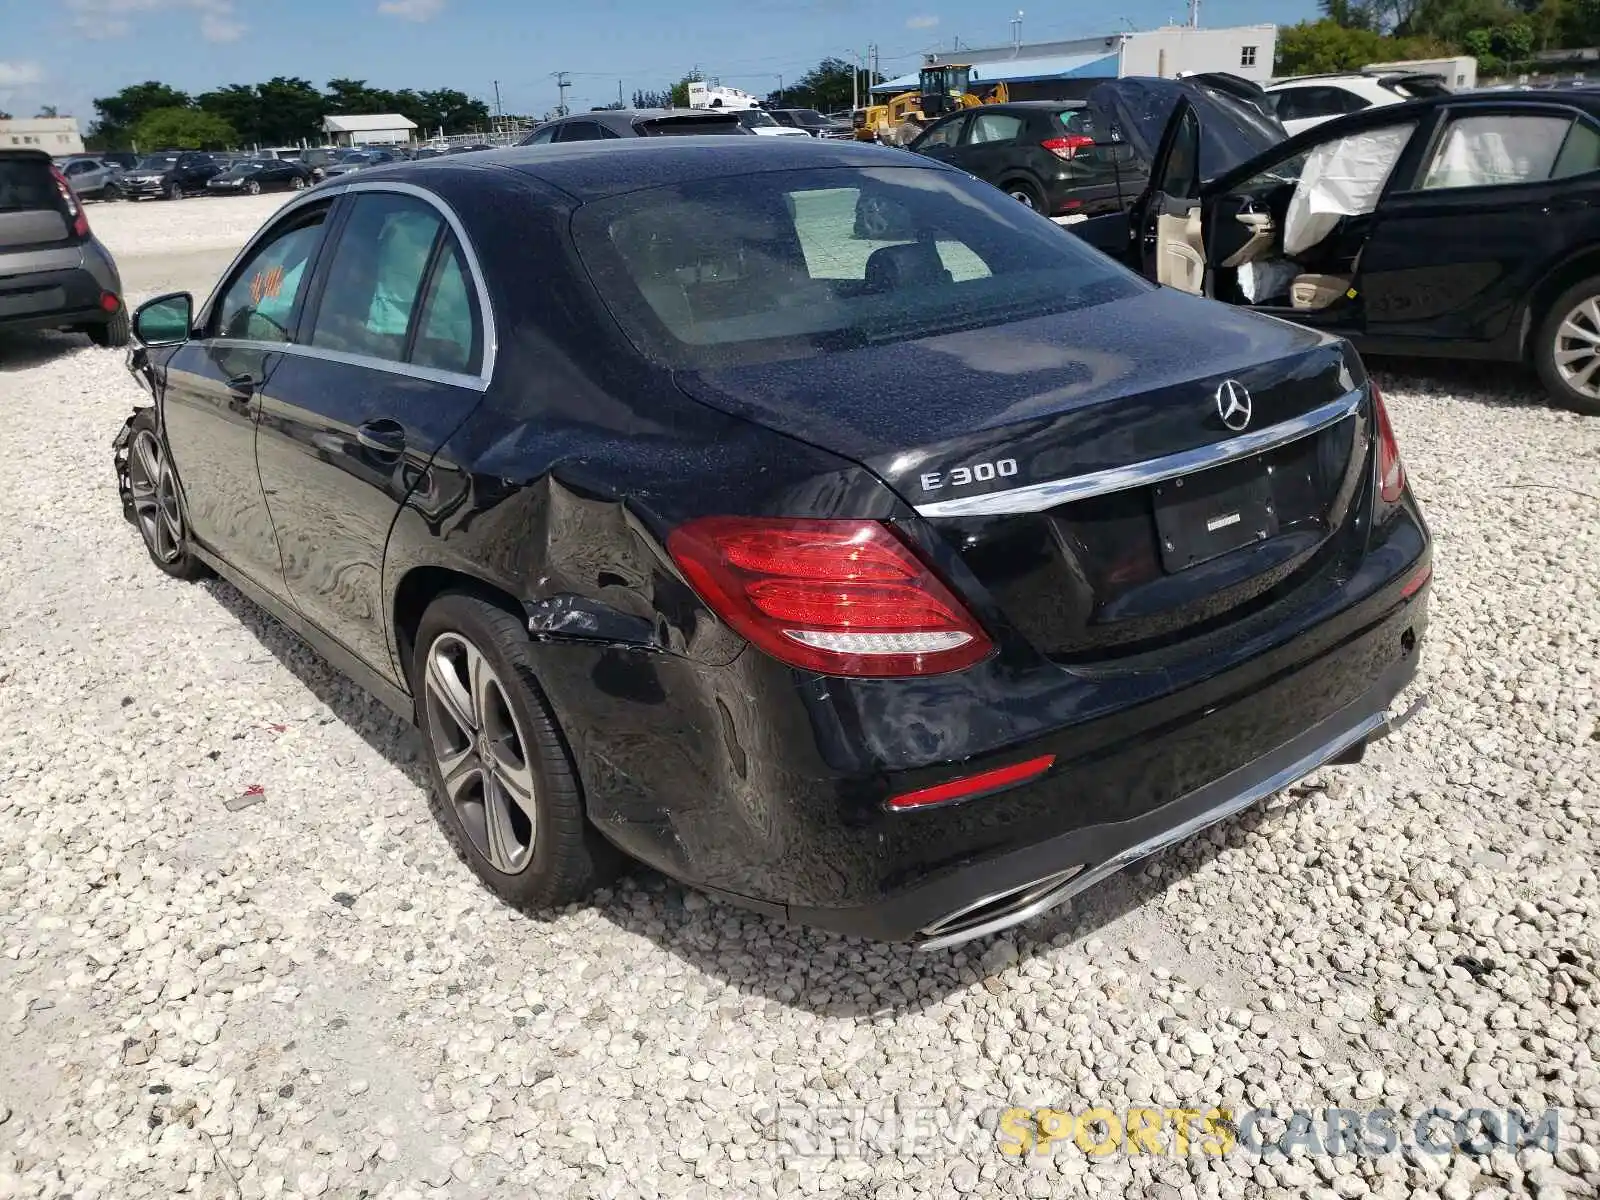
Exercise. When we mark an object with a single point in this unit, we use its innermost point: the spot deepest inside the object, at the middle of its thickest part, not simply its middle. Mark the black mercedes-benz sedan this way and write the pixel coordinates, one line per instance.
(808, 520)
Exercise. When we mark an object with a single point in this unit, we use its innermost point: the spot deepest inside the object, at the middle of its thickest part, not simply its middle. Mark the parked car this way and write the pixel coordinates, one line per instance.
(1459, 226)
(902, 585)
(93, 178)
(316, 159)
(1040, 152)
(54, 273)
(759, 121)
(1308, 100)
(426, 152)
(346, 162)
(126, 159)
(808, 120)
(636, 122)
(256, 175)
(171, 174)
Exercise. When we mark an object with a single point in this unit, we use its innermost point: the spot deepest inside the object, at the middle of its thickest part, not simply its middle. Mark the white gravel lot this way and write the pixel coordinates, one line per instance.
(309, 995)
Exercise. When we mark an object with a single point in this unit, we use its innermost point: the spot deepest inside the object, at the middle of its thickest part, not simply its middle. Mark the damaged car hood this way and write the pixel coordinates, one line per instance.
(1234, 127)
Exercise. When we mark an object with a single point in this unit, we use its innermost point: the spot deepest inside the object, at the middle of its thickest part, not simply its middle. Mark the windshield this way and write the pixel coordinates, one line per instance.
(810, 116)
(157, 162)
(754, 116)
(794, 264)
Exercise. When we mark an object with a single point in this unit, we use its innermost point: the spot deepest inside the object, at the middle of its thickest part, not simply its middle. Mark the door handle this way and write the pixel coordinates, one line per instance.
(243, 386)
(382, 436)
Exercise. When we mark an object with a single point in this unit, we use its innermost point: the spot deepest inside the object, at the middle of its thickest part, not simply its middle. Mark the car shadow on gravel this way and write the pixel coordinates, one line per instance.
(1492, 384)
(790, 965)
(19, 351)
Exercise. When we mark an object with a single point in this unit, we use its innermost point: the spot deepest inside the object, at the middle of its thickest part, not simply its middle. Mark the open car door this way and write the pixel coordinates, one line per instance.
(1171, 242)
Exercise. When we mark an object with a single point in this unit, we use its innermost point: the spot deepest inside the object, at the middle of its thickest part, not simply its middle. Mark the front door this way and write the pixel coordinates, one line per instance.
(1481, 220)
(390, 361)
(213, 393)
(1171, 244)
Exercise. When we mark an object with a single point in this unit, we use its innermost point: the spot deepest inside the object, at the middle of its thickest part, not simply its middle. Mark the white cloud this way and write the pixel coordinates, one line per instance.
(412, 10)
(103, 19)
(926, 22)
(20, 74)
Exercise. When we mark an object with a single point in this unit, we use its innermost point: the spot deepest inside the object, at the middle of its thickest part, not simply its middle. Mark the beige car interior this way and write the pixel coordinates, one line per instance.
(1181, 252)
(1341, 178)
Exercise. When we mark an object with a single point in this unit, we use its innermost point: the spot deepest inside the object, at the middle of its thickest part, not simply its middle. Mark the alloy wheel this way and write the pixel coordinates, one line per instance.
(253, 187)
(155, 498)
(481, 751)
(298, 184)
(1022, 195)
(1577, 349)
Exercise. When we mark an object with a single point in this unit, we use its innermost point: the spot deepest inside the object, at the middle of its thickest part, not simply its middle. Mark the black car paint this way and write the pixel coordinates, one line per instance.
(189, 172)
(555, 487)
(265, 173)
(1105, 178)
(1455, 273)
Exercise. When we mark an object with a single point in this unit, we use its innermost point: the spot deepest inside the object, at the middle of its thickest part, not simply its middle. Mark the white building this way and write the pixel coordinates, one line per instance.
(380, 129)
(1069, 69)
(54, 135)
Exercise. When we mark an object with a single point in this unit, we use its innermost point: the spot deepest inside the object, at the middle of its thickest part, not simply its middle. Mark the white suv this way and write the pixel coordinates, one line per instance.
(1311, 99)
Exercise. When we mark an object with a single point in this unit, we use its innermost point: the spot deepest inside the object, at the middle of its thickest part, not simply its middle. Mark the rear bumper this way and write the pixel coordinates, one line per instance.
(53, 299)
(986, 897)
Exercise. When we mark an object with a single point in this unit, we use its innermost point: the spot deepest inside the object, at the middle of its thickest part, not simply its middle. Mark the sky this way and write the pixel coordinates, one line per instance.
(66, 53)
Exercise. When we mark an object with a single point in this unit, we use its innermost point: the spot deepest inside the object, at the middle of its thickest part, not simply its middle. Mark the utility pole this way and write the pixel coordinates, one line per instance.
(562, 84)
(498, 111)
(855, 83)
(780, 89)
(1194, 14)
(872, 65)
(1016, 31)
(619, 94)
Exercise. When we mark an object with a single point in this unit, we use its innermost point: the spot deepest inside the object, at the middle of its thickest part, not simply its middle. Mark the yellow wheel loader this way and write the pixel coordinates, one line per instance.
(941, 88)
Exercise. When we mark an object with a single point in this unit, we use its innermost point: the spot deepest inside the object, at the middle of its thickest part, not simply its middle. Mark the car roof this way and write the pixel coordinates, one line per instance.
(593, 170)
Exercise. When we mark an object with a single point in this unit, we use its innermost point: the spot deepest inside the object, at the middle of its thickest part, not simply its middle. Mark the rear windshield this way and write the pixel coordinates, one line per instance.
(793, 264)
(26, 185)
(684, 126)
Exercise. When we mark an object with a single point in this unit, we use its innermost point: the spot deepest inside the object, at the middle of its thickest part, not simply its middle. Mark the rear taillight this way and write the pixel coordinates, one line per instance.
(80, 219)
(1391, 472)
(1068, 146)
(836, 597)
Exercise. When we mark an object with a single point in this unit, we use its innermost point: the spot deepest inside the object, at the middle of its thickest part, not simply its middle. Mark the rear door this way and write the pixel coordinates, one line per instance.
(215, 385)
(1499, 198)
(991, 149)
(942, 140)
(391, 357)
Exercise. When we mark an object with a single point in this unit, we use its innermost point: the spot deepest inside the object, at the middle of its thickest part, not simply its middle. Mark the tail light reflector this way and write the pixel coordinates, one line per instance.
(975, 785)
(1416, 583)
(80, 219)
(1067, 146)
(1391, 472)
(836, 597)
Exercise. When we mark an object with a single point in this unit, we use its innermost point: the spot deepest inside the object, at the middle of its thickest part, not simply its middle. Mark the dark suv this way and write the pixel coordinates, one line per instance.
(171, 174)
(54, 274)
(1041, 152)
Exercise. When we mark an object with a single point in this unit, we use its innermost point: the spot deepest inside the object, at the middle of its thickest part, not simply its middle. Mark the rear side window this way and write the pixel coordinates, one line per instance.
(580, 131)
(542, 137)
(259, 302)
(1497, 149)
(1312, 103)
(398, 288)
(994, 127)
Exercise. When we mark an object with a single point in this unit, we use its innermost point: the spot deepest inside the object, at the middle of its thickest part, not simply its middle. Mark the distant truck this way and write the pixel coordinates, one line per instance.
(704, 95)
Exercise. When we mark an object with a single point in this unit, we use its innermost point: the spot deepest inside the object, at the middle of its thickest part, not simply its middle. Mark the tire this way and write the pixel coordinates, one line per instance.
(174, 192)
(115, 333)
(110, 192)
(252, 187)
(298, 183)
(540, 859)
(158, 509)
(1574, 383)
(1024, 192)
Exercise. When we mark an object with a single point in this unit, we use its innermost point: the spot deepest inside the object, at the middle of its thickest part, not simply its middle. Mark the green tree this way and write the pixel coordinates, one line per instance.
(455, 111)
(651, 99)
(239, 104)
(827, 86)
(117, 115)
(48, 110)
(680, 90)
(1319, 47)
(183, 129)
(354, 96)
(291, 111)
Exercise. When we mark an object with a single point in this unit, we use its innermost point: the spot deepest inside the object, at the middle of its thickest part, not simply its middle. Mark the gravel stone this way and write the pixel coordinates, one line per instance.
(186, 995)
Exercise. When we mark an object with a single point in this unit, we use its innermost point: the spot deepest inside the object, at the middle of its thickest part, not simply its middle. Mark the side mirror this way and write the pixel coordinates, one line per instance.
(164, 321)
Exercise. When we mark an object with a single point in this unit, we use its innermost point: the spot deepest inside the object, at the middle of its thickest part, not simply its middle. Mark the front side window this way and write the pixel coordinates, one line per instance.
(994, 127)
(1497, 149)
(376, 275)
(1181, 178)
(947, 133)
(259, 303)
(793, 264)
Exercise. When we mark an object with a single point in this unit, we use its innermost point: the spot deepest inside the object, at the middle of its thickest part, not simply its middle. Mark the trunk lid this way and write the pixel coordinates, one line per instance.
(33, 215)
(1074, 461)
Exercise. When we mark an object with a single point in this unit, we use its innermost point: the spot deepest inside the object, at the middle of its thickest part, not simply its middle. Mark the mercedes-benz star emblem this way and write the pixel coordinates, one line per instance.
(1233, 404)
